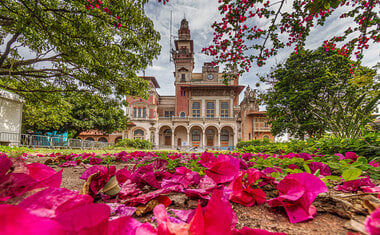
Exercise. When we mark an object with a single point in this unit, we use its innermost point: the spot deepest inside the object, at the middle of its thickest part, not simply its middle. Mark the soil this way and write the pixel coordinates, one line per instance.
(332, 217)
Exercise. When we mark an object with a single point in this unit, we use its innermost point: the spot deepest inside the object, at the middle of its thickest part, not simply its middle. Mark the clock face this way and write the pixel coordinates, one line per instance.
(210, 77)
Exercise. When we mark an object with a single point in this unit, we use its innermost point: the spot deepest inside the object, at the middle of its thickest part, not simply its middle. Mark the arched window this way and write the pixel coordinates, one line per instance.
(196, 135)
(210, 109)
(90, 139)
(196, 109)
(182, 114)
(102, 139)
(138, 134)
(224, 135)
(210, 132)
(266, 137)
(183, 50)
(168, 132)
(183, 77)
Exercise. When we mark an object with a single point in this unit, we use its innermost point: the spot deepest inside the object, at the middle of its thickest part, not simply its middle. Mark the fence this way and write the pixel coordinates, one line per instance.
(43, 141)
(9, 138)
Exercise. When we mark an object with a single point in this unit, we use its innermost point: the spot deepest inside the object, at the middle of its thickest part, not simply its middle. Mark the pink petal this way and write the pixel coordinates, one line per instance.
(52, 201)
(164, 226)
(222, 172)
(17, 221)
(253, 231)
(217, 206)
(85, 219)
(197, 223)
(5, 165)
(372, 223)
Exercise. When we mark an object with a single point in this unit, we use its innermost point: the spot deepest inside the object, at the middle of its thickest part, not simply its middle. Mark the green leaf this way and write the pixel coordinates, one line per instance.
(307, 168)
(351, 174)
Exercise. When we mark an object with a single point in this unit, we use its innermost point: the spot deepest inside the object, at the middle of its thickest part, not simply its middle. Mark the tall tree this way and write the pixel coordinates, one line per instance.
(74, 113)
(71, 45)
(315, 91)
(251, 31)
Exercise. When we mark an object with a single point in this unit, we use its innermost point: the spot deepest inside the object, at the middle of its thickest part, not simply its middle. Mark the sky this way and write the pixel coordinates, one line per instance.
(200, 15)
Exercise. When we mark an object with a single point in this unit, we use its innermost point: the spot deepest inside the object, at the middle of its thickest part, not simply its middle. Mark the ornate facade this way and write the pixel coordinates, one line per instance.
(204, 112)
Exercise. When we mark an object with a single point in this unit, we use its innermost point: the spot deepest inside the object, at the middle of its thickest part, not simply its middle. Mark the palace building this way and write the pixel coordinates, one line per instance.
(204, 112)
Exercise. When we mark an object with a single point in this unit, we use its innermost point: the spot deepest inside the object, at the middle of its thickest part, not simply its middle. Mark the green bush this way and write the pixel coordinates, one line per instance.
(9, 149)
(243, 144)
(137, 144)
(367, 146)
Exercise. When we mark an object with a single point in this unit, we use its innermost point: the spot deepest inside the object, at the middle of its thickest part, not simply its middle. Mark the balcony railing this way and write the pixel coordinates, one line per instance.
(190, 118)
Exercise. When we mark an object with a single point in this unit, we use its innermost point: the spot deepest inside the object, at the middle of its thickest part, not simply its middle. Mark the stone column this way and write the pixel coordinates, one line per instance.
(218, 138)
(188, 138)
(157, 138)
(172, 138)
(231, 103)
(235, 139)
(217, 106)
(203, 108)
(204, 138)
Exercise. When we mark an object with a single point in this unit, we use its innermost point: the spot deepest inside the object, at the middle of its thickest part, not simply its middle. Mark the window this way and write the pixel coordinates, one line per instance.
(169, 113)
(266, 137)
(134, 112)
(196, 135)
(266, 124)
(138, 134)
(182, 114)
(210, 132)
(210, 111)
(144, 112)
(183, 50)
(139, 113)
(249, 136)
(224, 135)
(183, 77)
(224, 109)
(196, 109)
(167, 132)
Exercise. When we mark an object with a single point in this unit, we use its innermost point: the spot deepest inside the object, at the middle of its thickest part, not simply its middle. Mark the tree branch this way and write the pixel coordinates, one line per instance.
(8, 48)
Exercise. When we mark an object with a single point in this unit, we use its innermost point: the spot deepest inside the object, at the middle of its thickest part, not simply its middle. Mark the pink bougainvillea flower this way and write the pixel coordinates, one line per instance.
(243, 192)
(355, 185)
(293, 166)
(324, 169)
(69, 164)
(44, 175)
(165, 226)
(85, 219)
(222, 171)
(123, 175)
(204, 188)
(296, 194)
(16, 220)
(5, 165)
(183, 177)
(129, 226)
(374, 163)
(120, 210)
(184, 215)
(372, 223)
(15, 184)
(52, 201)
(128, 189)
(347, 155)
(95, 160)
(99, 181)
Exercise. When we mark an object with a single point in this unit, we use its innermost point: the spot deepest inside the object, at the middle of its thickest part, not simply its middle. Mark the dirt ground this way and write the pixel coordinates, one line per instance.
(263, 217)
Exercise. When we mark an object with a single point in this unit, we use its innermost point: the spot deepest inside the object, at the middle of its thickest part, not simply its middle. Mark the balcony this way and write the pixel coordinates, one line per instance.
(189, 118)
(262, 129)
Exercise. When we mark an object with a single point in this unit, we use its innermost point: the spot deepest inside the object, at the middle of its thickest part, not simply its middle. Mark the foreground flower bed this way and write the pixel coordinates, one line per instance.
(213, 179)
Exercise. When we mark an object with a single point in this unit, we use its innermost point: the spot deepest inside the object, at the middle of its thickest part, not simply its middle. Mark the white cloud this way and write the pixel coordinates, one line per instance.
(201, 14)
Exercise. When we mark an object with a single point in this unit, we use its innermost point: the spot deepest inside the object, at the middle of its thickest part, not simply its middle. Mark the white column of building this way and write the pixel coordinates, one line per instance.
(188, 138)
(172, 138)
(231, 108)
(157, 138)
(217, 106)
(235, 138)
(203, 108)
(204, 138)
(218, 138)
